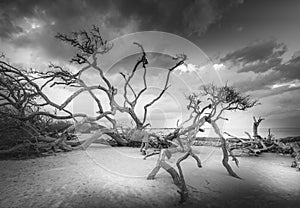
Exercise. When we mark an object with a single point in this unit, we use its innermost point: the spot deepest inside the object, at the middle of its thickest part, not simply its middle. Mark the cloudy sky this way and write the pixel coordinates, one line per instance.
(251, 44)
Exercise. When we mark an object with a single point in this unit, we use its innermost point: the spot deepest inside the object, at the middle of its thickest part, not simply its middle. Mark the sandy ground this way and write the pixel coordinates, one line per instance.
(104, 176)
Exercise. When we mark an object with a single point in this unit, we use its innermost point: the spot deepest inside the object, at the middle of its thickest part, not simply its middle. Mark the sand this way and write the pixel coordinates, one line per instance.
(103, 176)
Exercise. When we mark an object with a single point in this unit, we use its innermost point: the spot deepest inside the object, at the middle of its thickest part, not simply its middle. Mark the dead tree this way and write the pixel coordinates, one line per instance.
(22, 100)
(296, 153)
(225, 98)
(257, 139)
(294, 144)
(130, 105)
(217, 100)
(256, 123)
(249, 147)
(89, 46)
(182, 139)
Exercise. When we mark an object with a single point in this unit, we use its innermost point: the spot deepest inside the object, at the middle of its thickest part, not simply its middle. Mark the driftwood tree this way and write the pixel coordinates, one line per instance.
(294, 144)
(24, 95)
(224, 99)
(207, 106)
(249, 147)
(18, 102)
(258, 143)
(256, 123)
(91, 45)
(182, 139)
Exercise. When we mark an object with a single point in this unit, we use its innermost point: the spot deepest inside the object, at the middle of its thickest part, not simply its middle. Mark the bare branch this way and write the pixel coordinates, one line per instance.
(180, 60)
(86, 43)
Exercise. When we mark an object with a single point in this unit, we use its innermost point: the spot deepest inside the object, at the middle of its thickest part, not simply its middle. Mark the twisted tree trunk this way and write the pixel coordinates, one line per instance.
(178, 179)
(91, 139)
(224, 150)
(255, 127)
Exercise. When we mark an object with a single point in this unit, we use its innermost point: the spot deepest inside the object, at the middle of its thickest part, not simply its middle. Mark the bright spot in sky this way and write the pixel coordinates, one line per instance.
(31, 24)
(187, 68)
(35, 26)
(219, 67)
(295, 83)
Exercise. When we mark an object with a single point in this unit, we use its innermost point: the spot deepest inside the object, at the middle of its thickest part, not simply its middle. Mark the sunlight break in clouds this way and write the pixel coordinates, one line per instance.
(219, 66)
(187, 68)
(292, 84)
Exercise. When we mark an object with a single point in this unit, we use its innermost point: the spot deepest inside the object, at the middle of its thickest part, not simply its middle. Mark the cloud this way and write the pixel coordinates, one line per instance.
(280, 105)
(290, 69)
(187, 68)
(260, 66)
(177, 16)
(291, 84)
(7, 27)
(264, 51)
(33, 24)
(260, 71)
(219, 67)
(253, 82)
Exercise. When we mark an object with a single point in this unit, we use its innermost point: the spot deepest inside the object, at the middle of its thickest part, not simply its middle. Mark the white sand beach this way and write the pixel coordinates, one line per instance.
(103, 176)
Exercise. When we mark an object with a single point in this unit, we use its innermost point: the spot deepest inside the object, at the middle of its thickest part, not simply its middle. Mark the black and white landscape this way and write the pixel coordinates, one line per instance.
(145, 103)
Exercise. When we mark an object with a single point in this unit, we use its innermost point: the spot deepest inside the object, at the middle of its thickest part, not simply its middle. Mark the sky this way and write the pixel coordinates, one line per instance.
(253, 45)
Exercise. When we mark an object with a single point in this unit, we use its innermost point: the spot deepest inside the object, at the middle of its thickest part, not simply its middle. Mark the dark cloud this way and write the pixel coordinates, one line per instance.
(114, 17)
(276, 91)
(261, 82)
(259, 67)
(262, 57)
(7, 27)
(266, 51)
(262, 86)
(264, 60)
(291, 69)
(178, 16)
(52, 17)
